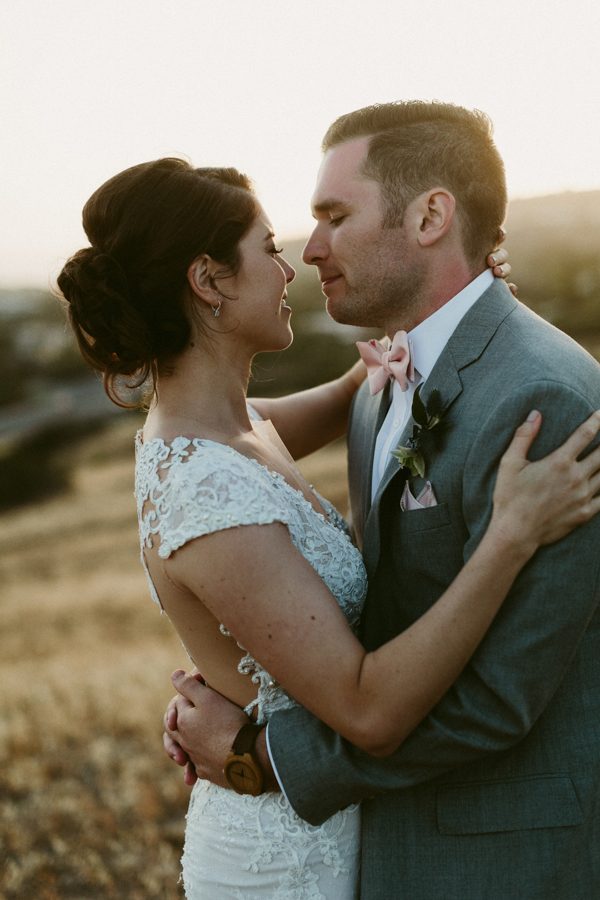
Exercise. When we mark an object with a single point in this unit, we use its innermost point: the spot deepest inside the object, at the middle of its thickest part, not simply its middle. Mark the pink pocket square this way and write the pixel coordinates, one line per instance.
(425, 499)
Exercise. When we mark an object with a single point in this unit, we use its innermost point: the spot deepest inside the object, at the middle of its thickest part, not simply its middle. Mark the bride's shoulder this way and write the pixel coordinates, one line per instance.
(193, 486)
(188, 460)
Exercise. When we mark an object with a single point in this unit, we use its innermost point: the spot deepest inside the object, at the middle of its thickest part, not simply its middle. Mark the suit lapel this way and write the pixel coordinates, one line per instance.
(466, 345)
(380, 406)
(367, 418)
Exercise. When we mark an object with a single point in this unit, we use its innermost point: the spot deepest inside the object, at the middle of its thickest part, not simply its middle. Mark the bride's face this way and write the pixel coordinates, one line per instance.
(260, 290)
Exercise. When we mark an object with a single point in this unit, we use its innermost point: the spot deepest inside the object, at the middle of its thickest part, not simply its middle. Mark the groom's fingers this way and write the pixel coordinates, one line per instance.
(188, 685)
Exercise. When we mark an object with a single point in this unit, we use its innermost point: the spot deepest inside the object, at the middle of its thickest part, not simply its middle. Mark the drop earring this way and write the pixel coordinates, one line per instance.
(216, 310)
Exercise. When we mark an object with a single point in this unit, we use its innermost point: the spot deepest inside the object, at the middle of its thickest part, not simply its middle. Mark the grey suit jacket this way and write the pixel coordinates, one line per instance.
(496, 794)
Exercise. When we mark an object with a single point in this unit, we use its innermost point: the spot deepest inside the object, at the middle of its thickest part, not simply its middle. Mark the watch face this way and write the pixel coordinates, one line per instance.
(243, 775)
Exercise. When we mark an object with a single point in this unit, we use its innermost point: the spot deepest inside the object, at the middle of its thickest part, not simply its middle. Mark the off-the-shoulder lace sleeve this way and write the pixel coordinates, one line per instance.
(194, 487)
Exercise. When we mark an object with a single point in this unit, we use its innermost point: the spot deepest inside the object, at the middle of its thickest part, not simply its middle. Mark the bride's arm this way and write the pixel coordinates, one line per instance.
(308, 420)
(279, 609)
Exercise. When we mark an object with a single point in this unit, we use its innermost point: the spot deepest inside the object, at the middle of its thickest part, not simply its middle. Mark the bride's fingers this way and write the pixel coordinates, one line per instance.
(502, 271)
(174, 751)
(498, 257)
(586, 511)
(523, 438)
(595, 484)
(580, 439)
(170, 716)
(591, 463)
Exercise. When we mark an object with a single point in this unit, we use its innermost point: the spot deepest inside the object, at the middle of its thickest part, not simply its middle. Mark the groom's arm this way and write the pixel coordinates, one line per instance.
(515, 672)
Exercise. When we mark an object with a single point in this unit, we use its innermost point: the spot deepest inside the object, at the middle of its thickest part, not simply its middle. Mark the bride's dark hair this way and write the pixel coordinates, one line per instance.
(126, 293)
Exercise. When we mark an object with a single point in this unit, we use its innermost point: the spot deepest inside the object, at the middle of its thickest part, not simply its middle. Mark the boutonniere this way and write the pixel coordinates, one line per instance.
(428, 431)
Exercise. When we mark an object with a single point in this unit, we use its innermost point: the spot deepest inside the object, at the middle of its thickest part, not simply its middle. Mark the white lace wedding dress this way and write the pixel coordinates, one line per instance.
(243, 847)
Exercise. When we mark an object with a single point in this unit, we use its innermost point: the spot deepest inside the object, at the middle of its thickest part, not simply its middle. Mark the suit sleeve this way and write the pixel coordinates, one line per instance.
(516, 670)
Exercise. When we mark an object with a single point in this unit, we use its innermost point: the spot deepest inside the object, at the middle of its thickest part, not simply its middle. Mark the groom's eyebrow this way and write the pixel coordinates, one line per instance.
(329, 204)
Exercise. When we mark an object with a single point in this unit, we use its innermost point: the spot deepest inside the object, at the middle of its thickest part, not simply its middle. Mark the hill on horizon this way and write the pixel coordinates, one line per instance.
(564, 222)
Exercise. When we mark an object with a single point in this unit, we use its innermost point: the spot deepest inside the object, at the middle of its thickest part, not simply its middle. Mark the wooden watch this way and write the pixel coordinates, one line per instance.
(242, 768)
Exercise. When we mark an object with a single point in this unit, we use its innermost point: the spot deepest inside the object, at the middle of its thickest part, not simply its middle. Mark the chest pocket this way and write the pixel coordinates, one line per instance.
(416, 520)
(426, 546)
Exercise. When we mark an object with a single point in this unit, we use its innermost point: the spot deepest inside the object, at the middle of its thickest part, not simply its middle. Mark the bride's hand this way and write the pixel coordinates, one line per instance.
(540, 502)
(497, 261)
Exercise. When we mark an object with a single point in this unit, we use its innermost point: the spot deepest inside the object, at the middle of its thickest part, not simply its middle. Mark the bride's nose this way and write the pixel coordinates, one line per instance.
(290, 272)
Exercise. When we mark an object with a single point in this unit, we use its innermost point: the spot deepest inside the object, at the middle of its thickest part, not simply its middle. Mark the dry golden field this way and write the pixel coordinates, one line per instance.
(89, 805)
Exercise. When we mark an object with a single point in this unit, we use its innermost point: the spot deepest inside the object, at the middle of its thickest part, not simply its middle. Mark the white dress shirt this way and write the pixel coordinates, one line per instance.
(426, 343)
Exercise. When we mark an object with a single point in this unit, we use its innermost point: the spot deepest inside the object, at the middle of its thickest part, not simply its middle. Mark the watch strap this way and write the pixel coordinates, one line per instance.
(245, 739)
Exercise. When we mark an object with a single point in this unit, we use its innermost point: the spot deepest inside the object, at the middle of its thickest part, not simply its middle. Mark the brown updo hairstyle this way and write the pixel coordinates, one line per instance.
(126, 294)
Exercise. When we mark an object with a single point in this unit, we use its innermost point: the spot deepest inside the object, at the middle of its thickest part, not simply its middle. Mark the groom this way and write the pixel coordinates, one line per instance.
(496, 794)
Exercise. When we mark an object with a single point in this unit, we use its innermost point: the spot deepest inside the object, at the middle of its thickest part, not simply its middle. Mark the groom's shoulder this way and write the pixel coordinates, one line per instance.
(540, 350)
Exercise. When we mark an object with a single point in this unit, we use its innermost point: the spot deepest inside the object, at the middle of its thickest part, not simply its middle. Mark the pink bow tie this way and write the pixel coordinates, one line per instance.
(385, 359)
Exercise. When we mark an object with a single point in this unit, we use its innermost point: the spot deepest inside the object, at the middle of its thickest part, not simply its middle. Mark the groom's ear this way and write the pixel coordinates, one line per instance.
(436, 211)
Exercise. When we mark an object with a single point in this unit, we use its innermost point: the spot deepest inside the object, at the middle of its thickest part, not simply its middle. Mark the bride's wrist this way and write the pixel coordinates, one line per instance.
(510, 542)
(352, 379)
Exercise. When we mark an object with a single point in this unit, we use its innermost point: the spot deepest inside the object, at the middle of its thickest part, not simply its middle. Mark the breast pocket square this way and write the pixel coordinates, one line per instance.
(424, 499)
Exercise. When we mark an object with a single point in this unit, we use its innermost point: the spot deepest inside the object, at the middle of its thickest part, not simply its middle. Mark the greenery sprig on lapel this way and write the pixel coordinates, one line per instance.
(428, 431)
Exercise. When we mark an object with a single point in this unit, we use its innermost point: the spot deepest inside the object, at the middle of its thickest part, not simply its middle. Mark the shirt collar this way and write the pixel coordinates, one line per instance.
(430, 337)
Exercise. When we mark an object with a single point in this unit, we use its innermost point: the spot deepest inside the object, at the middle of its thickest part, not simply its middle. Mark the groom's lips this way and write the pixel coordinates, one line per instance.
(327, 282)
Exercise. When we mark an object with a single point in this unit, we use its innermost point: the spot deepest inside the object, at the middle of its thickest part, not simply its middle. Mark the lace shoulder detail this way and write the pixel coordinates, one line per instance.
(193, 487)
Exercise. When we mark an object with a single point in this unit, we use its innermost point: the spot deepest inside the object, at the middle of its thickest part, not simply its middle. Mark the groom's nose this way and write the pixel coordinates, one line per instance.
(315, 249)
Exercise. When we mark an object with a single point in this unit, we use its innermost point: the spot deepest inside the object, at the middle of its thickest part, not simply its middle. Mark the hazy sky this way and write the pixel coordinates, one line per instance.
(89, 88)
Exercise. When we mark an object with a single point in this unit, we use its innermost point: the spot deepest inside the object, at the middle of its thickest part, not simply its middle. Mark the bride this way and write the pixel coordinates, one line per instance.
(182, 285)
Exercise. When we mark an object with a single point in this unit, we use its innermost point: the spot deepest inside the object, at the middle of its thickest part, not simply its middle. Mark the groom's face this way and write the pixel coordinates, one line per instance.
(366, 270)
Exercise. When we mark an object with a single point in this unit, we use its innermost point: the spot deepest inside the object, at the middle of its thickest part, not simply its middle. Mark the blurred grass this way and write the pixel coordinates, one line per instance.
(89, 805)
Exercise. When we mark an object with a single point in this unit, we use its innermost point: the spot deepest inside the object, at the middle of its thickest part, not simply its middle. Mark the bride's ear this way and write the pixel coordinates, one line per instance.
(200, 279)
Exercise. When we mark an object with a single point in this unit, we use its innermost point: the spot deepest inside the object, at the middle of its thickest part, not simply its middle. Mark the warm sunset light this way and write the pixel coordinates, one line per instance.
(382, 577)
(88, 90)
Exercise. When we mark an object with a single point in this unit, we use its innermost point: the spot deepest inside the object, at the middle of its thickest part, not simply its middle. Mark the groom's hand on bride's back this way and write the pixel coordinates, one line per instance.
(200, 728)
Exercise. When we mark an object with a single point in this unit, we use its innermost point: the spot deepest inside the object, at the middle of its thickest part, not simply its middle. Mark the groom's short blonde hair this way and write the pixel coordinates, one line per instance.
(416, 145)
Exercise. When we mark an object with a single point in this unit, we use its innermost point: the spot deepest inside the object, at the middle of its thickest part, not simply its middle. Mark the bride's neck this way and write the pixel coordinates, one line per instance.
(207, 389)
